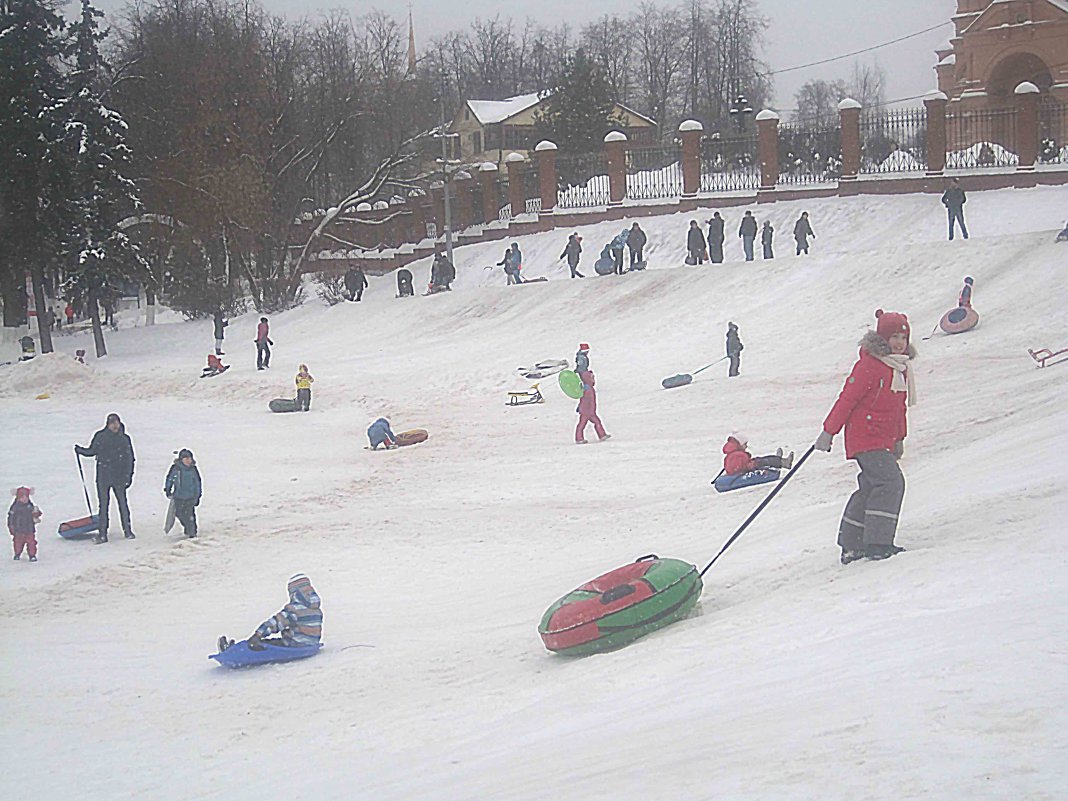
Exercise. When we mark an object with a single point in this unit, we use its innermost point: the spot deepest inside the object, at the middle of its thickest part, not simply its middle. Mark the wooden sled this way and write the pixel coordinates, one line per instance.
(526, 398)
(1043, 356)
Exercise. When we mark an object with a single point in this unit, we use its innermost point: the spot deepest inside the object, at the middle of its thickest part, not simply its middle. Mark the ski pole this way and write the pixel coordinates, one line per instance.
(720, 473)
(760, 508)
(933, 331)
(85, 489)
(717, 361)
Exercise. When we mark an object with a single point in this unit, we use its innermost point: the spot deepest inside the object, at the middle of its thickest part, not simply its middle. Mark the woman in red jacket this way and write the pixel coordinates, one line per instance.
(871, 407)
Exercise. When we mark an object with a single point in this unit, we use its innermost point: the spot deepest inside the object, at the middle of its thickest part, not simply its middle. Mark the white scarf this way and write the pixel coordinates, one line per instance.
(902, 380)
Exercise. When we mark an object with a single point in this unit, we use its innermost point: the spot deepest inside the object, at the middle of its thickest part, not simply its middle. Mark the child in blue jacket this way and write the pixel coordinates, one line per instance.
(381, 434)
(184, 486)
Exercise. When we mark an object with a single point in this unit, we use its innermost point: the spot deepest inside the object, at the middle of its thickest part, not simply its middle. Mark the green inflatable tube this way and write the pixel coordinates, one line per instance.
(571, 384)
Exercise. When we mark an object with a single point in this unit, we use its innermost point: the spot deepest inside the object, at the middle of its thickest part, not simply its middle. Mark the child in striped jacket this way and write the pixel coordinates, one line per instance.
(299, 623)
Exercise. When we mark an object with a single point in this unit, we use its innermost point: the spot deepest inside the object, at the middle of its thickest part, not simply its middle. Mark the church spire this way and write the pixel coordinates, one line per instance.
(411, 41)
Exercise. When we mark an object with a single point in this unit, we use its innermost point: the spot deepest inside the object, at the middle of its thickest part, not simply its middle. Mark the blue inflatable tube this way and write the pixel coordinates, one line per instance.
(727, 483)
(240, 655)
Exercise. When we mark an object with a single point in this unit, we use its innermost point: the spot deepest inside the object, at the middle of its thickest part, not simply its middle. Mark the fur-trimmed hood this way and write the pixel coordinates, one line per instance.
(875, 345)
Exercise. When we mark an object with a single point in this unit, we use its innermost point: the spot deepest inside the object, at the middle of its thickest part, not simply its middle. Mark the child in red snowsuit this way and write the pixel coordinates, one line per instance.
(587, 409)
(737, 459)
(22, 520)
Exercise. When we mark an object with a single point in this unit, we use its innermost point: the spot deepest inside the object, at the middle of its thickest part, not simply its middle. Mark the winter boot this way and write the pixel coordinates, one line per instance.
(850, 555)
(878, 552)
(100, 538)
(18, 556)
(32, 558)
(130, 535)
(606, 436)
(224, 643)
(788, 462)
(580, 442)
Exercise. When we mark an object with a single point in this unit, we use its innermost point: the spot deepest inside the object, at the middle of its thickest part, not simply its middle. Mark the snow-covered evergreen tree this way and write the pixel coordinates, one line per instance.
(581, 110)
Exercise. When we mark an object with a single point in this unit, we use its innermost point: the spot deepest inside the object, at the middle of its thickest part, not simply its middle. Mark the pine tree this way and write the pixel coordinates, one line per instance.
(31, 90)
(104, 194)
(581, 110)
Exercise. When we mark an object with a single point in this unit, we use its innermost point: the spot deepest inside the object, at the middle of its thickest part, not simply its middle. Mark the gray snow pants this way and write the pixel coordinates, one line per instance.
(870, 516)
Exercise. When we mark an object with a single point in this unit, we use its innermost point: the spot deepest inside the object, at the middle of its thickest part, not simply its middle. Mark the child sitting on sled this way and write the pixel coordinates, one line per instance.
(298, 625)
(215, 366)
(737, 459)
(381, 434)
(22, 520)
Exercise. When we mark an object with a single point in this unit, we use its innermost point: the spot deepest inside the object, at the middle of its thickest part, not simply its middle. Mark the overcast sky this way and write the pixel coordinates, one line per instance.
(799, 31)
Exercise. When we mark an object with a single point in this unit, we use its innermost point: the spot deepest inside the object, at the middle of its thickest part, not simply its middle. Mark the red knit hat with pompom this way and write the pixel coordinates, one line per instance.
(890, 323)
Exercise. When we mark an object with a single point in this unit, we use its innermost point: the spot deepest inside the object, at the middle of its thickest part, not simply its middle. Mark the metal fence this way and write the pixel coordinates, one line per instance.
(654, 172)
(729, 164)
(529, 189)
(582, 180)
(981, 139)
(893, 140)
(1053, 133)
(809, 156)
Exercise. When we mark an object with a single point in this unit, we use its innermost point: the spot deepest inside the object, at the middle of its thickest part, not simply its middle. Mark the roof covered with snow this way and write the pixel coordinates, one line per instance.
(492, 111)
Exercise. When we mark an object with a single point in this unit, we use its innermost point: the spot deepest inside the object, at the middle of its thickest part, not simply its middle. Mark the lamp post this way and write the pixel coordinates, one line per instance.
(445, 161)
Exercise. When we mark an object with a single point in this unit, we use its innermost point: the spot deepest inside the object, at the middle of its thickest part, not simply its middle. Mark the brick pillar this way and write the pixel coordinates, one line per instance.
(487, 176)
(545, 153)
(1026, 95)
(517, 193)
(849, 118)
(437, 204)
(461, 208)
(615, 151)
(768, 148)
(690, 131)
(935, 103)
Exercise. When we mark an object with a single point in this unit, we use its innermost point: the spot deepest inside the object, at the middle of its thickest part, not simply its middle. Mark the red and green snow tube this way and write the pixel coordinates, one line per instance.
(617, 608)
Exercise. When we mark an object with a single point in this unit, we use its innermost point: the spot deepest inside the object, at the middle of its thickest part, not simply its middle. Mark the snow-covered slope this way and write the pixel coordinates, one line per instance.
(938, 674)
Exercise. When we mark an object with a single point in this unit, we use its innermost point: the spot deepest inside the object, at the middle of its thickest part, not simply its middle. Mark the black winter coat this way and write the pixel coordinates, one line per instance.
(220, 324)
(715, 231)
(114, 456)
(637, 239)
(573, 249)
(766, 235)
(802, 229)
(954, 198)
(734, 342)
(695, 241)
(748, 226)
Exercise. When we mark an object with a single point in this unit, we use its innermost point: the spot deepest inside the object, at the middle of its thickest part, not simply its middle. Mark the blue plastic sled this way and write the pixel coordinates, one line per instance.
(80, 529)
(727, 483)
(240, 655)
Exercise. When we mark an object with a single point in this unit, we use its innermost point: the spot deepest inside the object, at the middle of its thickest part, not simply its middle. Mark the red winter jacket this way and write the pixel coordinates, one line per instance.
(587, 404)
(737, 460)
(873, 414)
(261, 332)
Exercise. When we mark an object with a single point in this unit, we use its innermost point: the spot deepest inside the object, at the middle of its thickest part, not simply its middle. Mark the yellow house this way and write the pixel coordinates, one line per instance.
(491, 129)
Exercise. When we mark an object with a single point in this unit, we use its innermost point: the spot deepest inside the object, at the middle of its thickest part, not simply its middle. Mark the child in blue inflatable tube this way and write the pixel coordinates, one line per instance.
(737, 460)
(298, 625)
(381, 434)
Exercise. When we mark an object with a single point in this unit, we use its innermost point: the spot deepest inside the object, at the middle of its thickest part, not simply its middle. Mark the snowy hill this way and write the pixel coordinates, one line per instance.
(938, 674)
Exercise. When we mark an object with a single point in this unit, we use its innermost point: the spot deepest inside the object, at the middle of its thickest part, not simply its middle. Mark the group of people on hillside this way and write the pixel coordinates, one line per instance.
(703, 247)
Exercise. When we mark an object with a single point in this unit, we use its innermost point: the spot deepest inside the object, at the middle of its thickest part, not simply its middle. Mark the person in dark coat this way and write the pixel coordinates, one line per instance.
(573, 252)
(448, 273)
(355, 283)
(113, 450)
(748, 231)
(405, 289)
(715, 238)
(695, 244)
(802, 231)
(619, 244)
(954, 199)
(965, 299)
(636, 240)
(219, 323)
(512, 263)
(767, 235)
(184, 487)
(734, 349)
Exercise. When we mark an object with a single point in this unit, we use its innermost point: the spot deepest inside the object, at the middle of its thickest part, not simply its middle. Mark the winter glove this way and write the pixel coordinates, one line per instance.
(269, 342)
(823, 442)
(167, 493)
(899, 449)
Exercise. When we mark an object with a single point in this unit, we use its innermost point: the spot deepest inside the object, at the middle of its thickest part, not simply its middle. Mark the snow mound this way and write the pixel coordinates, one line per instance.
(46, 373)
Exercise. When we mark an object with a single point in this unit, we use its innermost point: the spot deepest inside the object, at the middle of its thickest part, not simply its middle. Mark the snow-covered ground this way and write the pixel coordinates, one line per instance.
(942, 673)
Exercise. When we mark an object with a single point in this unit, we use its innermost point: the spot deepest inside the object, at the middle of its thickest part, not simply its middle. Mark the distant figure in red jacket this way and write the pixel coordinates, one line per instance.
(736, 459)
(871, 407)
(965, 300)
(587, 409)
(263, 345)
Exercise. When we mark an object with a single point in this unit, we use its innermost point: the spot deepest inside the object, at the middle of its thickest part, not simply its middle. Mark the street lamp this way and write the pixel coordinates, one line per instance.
(740, 111)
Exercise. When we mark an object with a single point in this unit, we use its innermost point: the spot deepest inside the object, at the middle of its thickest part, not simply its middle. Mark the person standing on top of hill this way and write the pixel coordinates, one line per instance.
(219, 323)
(767, 235)
(263, 344)
(748, 231)
(734, 349)
(954, 199)
(872, 408)
(636, 240)
(695, 244)
(802, 231)
(573, 252)
(715, 238)
(965, 299)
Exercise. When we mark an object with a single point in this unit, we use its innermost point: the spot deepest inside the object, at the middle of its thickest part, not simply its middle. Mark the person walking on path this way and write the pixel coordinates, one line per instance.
(636, 240)
(872, 408)
(734, 349)
(954, 199)
(219, 323)
(715, 238)
(184, 486)
(114, 453)
(618, 245)
(263, 344)
(767, 235)
(573, 252)
(695, 244)
(304, 381)
(802, 231)
(587, 410)
(748, 231)
(355, 283)
(22, 520)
